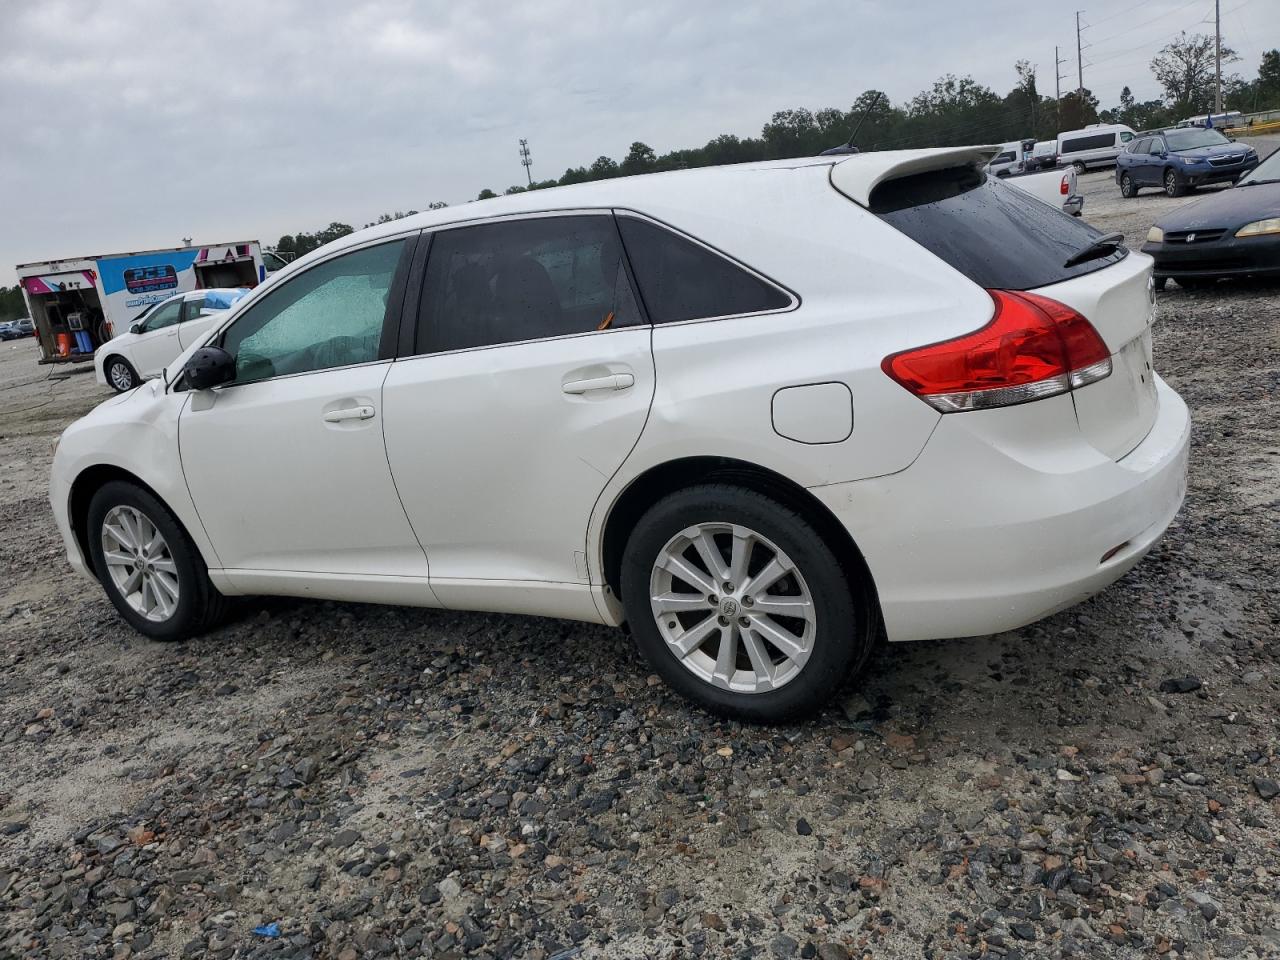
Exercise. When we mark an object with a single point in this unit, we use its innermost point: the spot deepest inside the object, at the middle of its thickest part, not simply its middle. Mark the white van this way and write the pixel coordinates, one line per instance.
(1094, 146)
(1007, 161)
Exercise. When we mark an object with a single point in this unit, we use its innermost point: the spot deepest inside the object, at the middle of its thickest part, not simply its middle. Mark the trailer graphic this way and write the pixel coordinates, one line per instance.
(147, 279)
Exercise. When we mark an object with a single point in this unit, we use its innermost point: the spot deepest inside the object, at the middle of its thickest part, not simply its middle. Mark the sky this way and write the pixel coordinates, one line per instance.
(131, 124)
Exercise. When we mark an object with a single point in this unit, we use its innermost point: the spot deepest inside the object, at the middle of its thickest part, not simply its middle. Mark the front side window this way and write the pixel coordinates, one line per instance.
(1139, 146)
(1125, 137)
(523, 280)
(1156, 145)
(165, 316)
(329, 316)
(680, 280)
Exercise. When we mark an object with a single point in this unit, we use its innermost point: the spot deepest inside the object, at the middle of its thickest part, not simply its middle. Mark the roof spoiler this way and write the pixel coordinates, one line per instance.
(857, 176)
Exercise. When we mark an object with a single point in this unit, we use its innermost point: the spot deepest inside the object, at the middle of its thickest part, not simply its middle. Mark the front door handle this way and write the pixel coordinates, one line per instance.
(363, 412)
(614, 381)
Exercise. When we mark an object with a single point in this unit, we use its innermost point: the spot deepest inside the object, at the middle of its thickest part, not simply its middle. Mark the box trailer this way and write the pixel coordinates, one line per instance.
(81, 303)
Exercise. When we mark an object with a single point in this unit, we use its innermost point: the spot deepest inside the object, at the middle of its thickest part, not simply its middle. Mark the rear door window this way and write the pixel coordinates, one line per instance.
(523, 280)
(681, 280)
(995, 234)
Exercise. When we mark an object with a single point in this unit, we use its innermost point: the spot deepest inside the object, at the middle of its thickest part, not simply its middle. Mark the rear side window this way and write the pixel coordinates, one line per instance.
(523, 280)
(1097, 141)
(995, 234)
(680, 280)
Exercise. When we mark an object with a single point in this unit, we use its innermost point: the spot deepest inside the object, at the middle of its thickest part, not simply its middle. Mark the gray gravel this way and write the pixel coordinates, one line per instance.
(388, 782)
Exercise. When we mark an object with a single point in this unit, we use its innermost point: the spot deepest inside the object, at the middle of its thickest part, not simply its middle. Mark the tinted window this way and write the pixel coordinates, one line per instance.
(1156, 145)
(1005, 157)
(523, 280)
(1126, 137)
(1096, 141)
(680, 280)
(1139, 146)
(165, 316)
(996, 235)
(328, 316)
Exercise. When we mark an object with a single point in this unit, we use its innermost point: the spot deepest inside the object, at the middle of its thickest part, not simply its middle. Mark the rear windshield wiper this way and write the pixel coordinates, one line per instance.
(1103, 246)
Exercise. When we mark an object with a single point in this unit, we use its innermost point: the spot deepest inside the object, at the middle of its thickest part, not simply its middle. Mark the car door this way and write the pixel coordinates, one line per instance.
(1154, 162)
(286, 463)
(156, 344)
(522, 389)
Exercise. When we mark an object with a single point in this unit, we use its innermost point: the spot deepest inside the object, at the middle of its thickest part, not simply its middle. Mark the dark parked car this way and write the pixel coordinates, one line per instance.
(1231, 233)
(1176, 160)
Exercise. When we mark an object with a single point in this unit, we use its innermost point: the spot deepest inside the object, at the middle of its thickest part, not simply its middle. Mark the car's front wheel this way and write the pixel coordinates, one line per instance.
(1127, 187)
(1173, 186)
(1080, 167)
(120, 374)
(148, 565)
(740, 605)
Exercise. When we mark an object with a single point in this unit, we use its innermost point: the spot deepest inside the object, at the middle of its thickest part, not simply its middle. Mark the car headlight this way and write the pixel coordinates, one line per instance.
(1189, 160)
(1260, 228)
(1155, 235)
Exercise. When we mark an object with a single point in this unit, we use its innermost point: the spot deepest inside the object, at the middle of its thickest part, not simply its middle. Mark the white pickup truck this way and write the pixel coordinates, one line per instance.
(1055, 187)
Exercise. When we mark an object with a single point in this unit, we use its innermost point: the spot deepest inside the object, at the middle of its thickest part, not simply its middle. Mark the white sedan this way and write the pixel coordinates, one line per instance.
(159, 334)
(762, 413)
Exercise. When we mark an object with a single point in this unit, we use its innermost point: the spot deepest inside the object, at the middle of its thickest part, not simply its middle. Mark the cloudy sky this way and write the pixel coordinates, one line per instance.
(131, 124)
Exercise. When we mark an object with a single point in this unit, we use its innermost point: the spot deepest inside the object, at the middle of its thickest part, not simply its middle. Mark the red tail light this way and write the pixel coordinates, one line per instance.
(1033, 347)
(1065, 187)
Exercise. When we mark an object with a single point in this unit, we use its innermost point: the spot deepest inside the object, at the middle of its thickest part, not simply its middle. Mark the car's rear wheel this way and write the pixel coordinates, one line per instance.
(1080, 167)
(740, 605)
(1127, 187)
(120, 374)
(148, 565)
(1173, 186)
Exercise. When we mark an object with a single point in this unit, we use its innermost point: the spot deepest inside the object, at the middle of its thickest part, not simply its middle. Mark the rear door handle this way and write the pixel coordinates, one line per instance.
(614, 381)
(364, 412)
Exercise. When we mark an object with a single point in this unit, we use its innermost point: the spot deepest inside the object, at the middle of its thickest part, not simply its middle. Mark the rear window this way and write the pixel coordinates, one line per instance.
(995, 234)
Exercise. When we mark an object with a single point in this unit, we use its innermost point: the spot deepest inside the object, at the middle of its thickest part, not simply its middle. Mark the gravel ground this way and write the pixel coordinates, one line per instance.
(389, 782)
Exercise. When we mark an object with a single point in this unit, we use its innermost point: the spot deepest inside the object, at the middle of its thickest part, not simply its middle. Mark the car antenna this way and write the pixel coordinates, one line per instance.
(849, 147)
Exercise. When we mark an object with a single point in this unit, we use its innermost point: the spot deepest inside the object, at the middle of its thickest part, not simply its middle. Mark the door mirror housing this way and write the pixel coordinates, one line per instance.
(135, 327)
(208, 367)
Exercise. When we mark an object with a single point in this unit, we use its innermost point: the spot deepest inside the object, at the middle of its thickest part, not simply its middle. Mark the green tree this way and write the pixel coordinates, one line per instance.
(639, 159)
(603, 168)
(486, 194)
(12, 305)
(1185, 69)
(436, 205)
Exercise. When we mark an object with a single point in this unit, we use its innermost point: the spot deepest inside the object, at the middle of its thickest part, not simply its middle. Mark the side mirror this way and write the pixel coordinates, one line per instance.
(135, 327)
(208, 367)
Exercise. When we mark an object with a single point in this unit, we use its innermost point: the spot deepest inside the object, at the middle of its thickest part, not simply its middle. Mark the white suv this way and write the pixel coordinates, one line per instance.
(760, 412)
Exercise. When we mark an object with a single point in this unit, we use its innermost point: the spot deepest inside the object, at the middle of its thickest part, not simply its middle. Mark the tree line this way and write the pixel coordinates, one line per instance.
(954, 110)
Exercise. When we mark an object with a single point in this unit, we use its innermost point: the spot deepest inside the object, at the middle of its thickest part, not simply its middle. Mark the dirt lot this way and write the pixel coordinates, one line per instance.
(386, 782)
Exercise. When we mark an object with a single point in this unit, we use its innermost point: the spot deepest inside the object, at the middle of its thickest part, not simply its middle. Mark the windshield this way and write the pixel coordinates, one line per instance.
(1190, 139)
(1267, 170)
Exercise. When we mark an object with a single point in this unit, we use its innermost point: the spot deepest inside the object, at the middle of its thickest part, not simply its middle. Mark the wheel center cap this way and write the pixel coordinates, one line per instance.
(729, 607)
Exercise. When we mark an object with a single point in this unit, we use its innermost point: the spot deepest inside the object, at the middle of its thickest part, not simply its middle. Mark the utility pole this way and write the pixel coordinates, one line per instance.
(526, 161)
(1057, 85)
(1079, 60)
(1217, 56)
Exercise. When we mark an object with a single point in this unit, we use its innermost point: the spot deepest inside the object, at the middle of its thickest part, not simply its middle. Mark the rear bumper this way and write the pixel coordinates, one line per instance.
(1073, 205)
(997, 524)
(1224, 258)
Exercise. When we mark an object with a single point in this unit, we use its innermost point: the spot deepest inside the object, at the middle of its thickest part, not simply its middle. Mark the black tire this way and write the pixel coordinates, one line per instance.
(844, 613)
(124, 367)
(1128, 188)
(200, 606)
(1173, 185)
(1159, 282)
(1080, 167)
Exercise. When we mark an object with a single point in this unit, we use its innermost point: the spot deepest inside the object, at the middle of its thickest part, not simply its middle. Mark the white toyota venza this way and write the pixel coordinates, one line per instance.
(759, 413)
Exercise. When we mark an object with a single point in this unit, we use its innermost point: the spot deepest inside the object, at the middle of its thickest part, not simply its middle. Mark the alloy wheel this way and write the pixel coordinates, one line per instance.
(140, 564)
(732, 607)
(120, 375)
